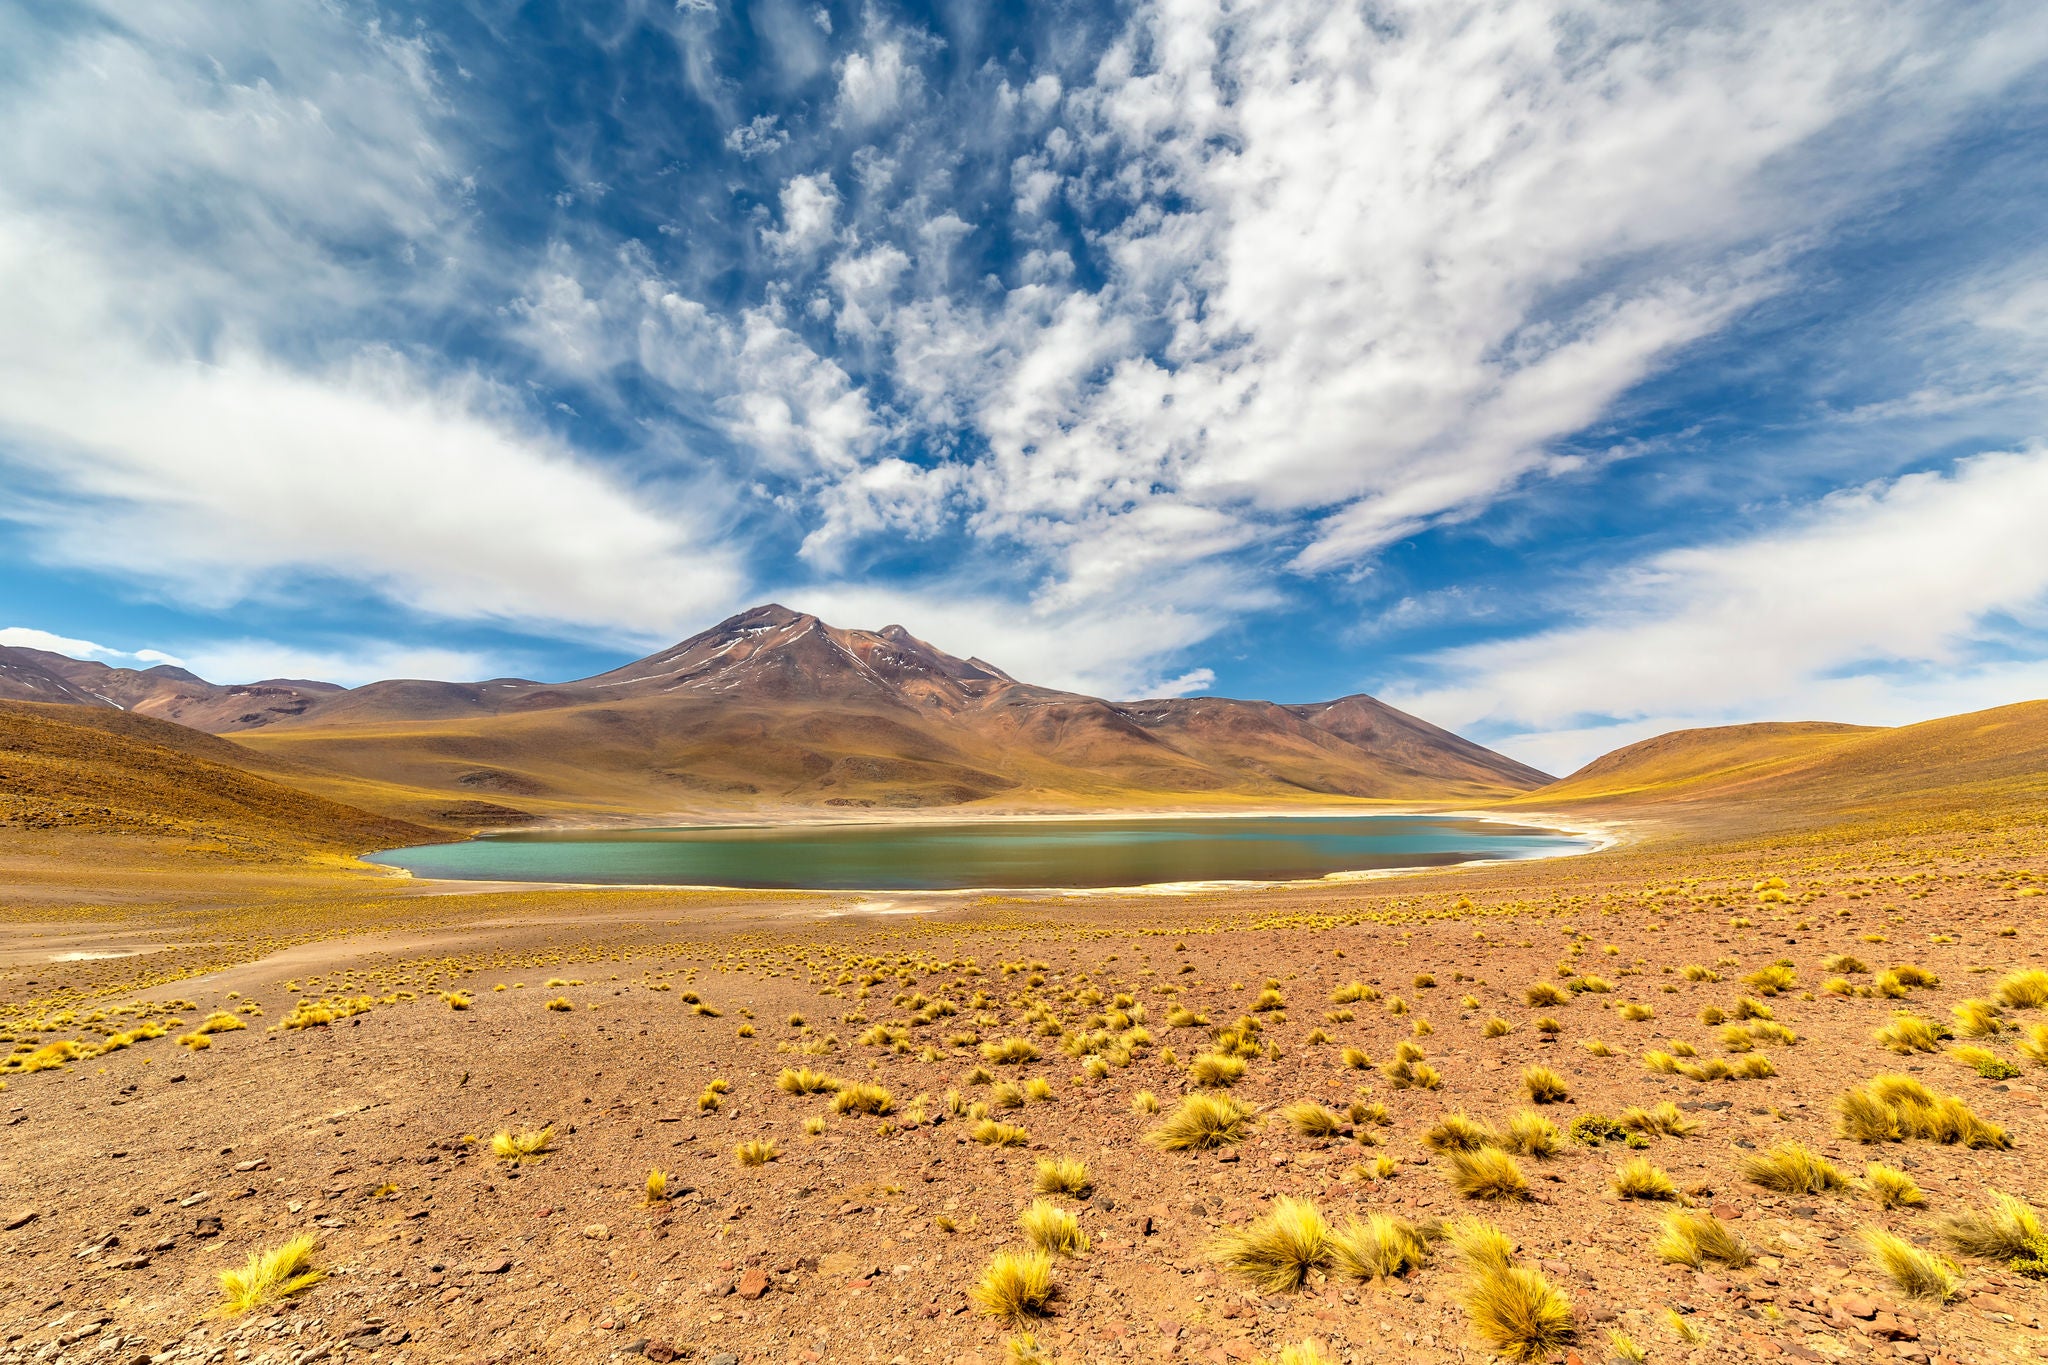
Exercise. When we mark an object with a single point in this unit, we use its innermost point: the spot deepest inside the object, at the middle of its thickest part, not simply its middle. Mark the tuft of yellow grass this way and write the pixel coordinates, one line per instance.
(1531, 1134)
(1517, 1312)
(528, 1144)
(657, 1187)
(2024, 990)
(862, 1097)
(270, 1276)
(1664, 1120)
(1144, 1102)
(1202, 1121)
(803, 1080)
(1307, 1351)
(560, 1004)
(989, 1133)
(1893, 1108)
(1063, 1175)
(1488, 1173)
(1015, 1284)
(1922, 1274)
(1379, 1248)
(1278, 1250)
(1890, 1187)
(1641, 1178)
(1311, 1119)
(756, 1152)
(1049, 1227)
(1792, 1168)
(2001, 1234)
(1215, 1070)
(1544, 1085)
(1694, 1238)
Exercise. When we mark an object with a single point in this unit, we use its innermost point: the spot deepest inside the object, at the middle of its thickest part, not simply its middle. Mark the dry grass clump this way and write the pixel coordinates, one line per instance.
(1308, 1351)
(862, 1097)
(1791, 1168)
(270, 1276)
(1664, 1120)
(528, 1144)
(1908, 1032)
(1310, 1119)
(1545, 1086)
(1016, 1284)
(1544, 994)
(1488, 1173)
(1894, 1108)
(1976, 1019)
(1531, 1134)
(458, 1000)
(1598, 1047)
(1460, 1133)
(1514, 1310)
(1890, 1187)
(1049, 1227)
(657, 1187)
(1409, 1072)
(1693, 1238)
(2034, 1047)
(2024, 990)
(804, 1081)
(1201, 1122)
(1922, 1274)
(1379, 1248)
(1641, 1178)
(1497, 1027)
(1277, 1252)
(989, 1133)
(1015, 1050)
(756, 1152)
(1144, 1102)
(1215, 1070)
(2001, 1234)
(1355, 1058)
(1063, 1175)
(1635, 1012)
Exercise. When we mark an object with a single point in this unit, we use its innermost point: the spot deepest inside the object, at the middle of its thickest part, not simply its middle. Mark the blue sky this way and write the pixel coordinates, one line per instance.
(1562, 372)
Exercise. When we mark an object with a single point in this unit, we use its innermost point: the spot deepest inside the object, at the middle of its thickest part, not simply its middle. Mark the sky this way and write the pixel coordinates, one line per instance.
(1562, 373)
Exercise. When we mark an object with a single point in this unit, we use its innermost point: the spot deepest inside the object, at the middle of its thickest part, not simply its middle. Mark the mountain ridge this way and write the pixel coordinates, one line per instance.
(774, 707)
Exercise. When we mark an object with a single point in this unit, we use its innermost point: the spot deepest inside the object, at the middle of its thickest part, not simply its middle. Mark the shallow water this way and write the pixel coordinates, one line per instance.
(993, 854)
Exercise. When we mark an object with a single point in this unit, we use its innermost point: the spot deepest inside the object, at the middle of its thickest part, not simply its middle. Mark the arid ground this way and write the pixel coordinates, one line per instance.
(220, 1046)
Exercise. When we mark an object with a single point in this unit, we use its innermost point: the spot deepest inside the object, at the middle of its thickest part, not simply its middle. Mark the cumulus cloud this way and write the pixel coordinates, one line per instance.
(1881, 604)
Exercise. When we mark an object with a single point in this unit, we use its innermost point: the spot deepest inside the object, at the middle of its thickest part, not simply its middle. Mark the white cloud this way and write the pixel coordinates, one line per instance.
(214, 479)
(874, 84)
(351, 664)
(27, 637)
(758, 137)
(1874, 606)
(810, 203)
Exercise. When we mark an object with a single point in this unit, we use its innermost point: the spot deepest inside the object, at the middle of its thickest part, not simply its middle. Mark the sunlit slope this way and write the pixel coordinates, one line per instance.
(1986, 757)
(91, 769)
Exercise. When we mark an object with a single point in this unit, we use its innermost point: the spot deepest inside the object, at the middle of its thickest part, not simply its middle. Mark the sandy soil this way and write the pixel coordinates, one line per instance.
(132, 1179)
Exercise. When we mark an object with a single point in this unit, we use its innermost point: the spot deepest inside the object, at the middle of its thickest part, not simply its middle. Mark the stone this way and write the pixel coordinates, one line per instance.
(660, 1352)
(723, 1358)
(597, 1232)
(754, 1283)
(497, 1266)
(20, 1218)
(192, 1200)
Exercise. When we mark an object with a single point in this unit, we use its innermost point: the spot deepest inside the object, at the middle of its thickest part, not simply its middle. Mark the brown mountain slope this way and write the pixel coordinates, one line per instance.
(109, 772)
(1985, 759)
(775, 709)
(163, 691)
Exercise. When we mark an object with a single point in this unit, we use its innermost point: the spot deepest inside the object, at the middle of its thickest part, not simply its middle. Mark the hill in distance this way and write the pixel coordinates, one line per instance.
(776, 710)
(96, 770)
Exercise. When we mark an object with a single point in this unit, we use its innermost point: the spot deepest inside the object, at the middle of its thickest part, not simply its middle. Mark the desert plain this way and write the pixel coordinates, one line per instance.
(1643, 1086)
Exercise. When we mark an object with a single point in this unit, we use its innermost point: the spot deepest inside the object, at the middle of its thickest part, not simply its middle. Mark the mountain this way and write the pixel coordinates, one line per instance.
(95, 769)
(775, 709)
(165, 692)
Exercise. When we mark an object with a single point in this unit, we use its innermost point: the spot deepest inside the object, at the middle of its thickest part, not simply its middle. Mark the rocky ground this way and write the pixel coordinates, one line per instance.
(131, 1179)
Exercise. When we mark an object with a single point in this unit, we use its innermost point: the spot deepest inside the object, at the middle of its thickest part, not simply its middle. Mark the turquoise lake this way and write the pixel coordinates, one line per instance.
(993, 854)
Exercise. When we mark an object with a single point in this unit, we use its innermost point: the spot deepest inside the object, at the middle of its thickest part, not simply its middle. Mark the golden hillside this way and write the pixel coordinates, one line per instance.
(101, 771)
(1987, 758)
